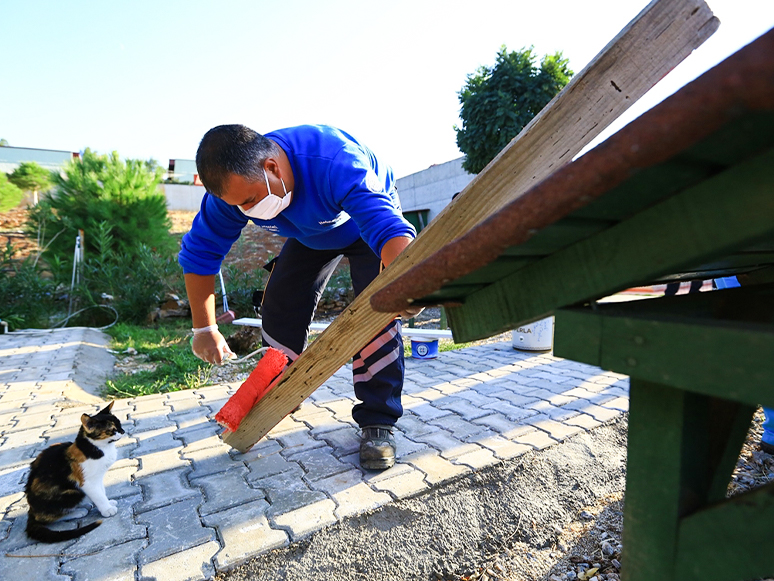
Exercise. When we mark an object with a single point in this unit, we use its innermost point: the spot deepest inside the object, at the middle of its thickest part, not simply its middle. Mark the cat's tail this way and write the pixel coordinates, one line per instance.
(38, 531)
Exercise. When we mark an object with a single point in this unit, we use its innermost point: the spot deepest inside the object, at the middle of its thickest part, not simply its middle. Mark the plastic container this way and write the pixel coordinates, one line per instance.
(537, 336)
(424, 348)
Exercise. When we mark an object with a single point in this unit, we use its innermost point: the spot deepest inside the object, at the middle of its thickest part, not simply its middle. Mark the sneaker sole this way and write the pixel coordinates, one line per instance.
(381, 464)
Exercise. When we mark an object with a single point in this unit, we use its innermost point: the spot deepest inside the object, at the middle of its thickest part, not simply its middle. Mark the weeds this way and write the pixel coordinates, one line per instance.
(171, 364)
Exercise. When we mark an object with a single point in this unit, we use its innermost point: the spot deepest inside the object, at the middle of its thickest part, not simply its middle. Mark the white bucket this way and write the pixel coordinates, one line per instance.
(537, 336)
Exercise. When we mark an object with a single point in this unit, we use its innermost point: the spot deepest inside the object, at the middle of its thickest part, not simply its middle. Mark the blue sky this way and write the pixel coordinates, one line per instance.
(147, 79)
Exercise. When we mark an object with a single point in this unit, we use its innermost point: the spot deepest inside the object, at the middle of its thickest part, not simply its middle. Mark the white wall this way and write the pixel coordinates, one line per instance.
(432, 189)
(183, 198)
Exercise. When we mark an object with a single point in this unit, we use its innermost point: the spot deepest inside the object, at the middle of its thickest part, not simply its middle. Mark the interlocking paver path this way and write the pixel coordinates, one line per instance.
(190, 505)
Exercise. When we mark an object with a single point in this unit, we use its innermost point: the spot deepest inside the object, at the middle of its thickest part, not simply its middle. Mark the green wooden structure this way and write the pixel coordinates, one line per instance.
(684, 192)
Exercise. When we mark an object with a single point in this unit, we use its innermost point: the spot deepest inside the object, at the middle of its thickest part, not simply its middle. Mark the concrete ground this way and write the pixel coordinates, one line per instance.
(190, 506)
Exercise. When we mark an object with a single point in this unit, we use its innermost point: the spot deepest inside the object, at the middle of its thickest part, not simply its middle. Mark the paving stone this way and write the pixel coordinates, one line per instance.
(462, 408)
(459, 428)
(119, 481)
(209, 461)
(114, 530)
(194, 418)
(287, 491)
(559, 414)
(269, 465)
(172, 529)
(323, 421)
(159, 462)
(226, 490)
(502, 447)
(620, 403)
(584, 421)
(499, 423)
(323, 395)
(162, 489)
(188, 565)
(344, 441)
(37, 569)
(404, 446)
(295, 441)
(515, 397)
(319, 463)
(431, 395)
(424, 410)
(155, 440)
(180, 401)
(40, 421)
(478, 459)
(403, 485)
(351, 494)
(199, 436)
(597, 412)
(150, 403)
(341, 408)
(436, 469)
(410, 425)
(151, 421)
(557, 430)
(245, 532)
(305, 520)
(115, 563)
(20, 447)
(536, 438)
(446, 444)
(11, 481)
(262, 448)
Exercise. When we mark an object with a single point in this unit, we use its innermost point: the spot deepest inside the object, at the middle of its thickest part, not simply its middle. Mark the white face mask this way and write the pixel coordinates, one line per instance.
(271, 205)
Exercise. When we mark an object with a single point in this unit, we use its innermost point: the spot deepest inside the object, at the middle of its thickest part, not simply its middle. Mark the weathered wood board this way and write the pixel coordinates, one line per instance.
(652, 44)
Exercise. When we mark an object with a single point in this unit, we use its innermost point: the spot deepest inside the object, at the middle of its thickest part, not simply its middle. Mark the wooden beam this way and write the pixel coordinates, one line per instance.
(652, 44)
(720, 215)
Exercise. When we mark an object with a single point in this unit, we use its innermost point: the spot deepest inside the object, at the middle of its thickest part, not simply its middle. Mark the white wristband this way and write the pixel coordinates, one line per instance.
(205, 329)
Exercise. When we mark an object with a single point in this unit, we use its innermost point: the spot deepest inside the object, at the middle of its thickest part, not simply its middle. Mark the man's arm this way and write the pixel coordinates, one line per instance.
(209, 346)
(390, 251)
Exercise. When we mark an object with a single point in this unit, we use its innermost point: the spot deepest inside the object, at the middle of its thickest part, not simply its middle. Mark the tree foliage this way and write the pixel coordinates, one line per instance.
(30, 177)
(97, 190)
(10, 194)
(499, 101)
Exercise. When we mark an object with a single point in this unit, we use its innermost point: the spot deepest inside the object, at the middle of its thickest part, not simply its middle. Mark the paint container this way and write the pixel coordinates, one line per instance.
(537, 336)
(424, 348)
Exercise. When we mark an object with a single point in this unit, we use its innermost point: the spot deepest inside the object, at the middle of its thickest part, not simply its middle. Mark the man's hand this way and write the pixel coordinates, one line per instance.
(211, 347)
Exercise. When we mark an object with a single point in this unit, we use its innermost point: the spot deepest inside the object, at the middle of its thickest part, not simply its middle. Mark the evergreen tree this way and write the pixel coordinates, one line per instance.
(499, 101)
(101, 189)
(30, 177)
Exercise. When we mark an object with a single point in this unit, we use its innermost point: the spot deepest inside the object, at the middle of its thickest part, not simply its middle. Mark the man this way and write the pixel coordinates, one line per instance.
(330, 196)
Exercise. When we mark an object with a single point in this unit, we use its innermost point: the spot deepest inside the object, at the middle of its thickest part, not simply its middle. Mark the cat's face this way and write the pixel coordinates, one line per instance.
(103, 427)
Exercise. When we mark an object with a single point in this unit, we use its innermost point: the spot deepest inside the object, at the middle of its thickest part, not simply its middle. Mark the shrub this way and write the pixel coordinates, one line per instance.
(10, 194)
(28, 294)
(103, 189)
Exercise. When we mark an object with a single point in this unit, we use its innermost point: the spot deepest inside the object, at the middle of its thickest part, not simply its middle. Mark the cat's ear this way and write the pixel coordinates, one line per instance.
(85, 420)
(108, 408)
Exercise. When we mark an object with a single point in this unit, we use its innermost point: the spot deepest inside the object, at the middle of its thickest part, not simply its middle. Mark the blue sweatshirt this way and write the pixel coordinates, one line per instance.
(341, 193)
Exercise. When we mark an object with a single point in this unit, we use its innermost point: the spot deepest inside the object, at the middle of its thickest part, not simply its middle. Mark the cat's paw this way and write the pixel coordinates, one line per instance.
(110, 510)
(114, 503)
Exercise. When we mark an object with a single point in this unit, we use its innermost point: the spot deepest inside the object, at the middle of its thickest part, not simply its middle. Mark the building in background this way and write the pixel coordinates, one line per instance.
(183, 171)
(51, 159)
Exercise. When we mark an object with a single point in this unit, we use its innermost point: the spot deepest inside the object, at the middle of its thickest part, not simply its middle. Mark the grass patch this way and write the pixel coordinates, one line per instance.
(167, 350)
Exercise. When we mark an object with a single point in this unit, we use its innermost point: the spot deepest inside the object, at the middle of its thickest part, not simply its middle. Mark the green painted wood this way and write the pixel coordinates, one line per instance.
(719, 216)
(717, 343)
(731, 541)
(652, 505)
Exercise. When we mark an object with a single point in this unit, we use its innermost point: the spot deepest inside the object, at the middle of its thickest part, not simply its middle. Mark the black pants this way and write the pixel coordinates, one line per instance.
(297, 281)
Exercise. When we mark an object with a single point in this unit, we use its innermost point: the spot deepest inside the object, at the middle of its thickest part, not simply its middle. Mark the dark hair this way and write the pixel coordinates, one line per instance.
(231, 149)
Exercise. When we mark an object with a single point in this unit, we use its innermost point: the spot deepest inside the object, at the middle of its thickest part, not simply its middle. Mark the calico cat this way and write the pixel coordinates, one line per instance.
(63, 474)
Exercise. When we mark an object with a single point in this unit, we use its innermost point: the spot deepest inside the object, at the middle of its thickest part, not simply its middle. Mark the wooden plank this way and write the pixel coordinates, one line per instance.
(719, 216)
(729, 541)
(659, 38)
(708, 353)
